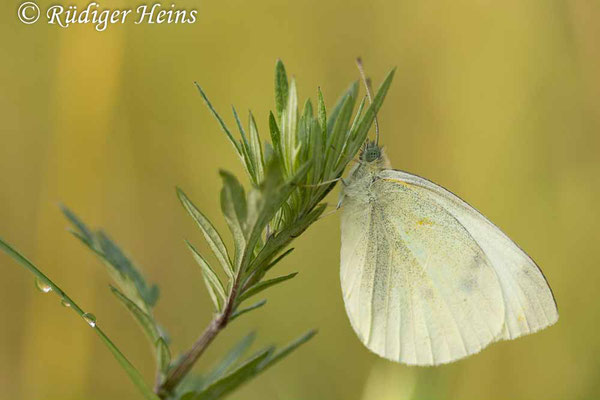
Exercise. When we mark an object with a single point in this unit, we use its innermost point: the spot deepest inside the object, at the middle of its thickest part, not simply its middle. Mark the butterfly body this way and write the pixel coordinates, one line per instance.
(427, 279)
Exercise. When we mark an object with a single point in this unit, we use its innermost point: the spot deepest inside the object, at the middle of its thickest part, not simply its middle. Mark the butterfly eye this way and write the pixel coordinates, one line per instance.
(372, 153)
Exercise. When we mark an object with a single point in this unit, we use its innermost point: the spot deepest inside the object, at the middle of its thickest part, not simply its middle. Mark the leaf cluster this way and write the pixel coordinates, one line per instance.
(131, 288)
(289, 176)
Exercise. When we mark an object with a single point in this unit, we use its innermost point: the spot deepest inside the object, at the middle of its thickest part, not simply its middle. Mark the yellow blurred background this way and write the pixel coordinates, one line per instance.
(497, 101)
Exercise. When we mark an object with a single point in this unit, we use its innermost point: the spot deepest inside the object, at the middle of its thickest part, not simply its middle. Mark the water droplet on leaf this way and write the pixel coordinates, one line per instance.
(65, 303)
(42, 286)
(90, 319)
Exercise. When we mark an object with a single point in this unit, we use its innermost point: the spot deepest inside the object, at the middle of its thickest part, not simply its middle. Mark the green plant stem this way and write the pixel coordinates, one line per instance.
(133, 373)
(219, 322)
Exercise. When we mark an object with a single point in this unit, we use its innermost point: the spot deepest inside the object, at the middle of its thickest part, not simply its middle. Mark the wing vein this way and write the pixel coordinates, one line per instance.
(434, 287)
(488, 262)
(373, 281)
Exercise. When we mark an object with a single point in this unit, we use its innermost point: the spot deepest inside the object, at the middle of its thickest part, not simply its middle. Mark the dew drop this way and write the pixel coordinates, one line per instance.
(42, 286)
(90, 319)
(65, 303)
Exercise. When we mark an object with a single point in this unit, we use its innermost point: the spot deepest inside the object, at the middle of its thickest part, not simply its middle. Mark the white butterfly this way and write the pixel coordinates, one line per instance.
(426, 278)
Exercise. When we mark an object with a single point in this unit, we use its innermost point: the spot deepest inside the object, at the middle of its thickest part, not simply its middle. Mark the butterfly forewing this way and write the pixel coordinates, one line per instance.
(417, 287)
(529, 303)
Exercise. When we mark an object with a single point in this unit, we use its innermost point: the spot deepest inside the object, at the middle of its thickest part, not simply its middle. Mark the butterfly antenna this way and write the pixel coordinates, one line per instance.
(367, 83)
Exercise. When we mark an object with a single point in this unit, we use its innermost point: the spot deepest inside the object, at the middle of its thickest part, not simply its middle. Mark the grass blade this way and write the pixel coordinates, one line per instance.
(131, 371)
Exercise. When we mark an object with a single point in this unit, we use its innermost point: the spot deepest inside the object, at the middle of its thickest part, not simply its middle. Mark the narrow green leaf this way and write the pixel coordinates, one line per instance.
(282, 239)
(241, 129)
(278, 259)
(318, 151)
(271, 199)
(210, 233)
(233, 205)
(337, 136)
(269, 153)
(348, 139)
(188, 387)
(258, 197)
(118, 260)
(281, 88)
(358, 115)
(234, 379)
(247, 154)
(243, 311)
(131, 371)
(307, 110)
(304, 132)
(358, 137)
(230, 358)
(260, 286)
(235, 194)
(213, 284)
(352, 91)
(145, 321)
(322, 116)
(123, 271)
(220, 120)
(163, 355)
(275, 136)
(256, 148)
(84, 233)
(284, 352)
(289, 128)
(249, 370)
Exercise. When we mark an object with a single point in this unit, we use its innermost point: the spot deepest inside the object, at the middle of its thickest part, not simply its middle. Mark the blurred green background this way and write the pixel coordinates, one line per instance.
(496, 101)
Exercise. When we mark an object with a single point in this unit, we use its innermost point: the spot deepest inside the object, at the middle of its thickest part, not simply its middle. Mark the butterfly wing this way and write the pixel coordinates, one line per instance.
(417, 287)
(528, 300)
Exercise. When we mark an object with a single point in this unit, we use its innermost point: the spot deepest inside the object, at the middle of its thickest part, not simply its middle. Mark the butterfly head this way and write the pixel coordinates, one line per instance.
(373, 157)
(371, 152)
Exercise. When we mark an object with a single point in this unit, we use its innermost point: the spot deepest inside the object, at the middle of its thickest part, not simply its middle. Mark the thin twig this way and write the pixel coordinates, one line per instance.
(190, 358)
